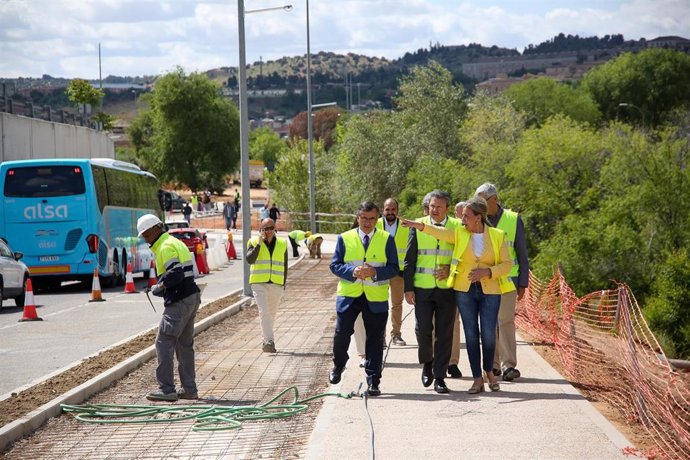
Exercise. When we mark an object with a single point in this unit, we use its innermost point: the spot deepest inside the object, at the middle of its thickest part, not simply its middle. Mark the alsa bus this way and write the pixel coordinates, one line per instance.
(69, 216)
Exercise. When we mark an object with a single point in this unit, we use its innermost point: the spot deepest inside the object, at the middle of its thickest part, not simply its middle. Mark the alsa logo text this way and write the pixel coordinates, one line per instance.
(45, 212)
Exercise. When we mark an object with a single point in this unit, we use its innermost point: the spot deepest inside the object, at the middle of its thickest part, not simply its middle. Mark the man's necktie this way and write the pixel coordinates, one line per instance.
(365, 241)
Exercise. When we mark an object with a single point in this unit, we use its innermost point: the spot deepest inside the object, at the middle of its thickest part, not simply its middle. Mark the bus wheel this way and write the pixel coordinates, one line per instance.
(111, 281)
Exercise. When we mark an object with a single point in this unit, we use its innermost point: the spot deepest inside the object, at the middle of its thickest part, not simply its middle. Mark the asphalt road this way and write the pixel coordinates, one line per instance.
(73, 329)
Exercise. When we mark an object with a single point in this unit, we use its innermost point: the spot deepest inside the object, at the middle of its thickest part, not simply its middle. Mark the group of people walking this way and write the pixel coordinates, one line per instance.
(473, 266)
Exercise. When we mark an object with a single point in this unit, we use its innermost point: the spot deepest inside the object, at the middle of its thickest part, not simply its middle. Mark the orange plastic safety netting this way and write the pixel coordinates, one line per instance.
(606, 346)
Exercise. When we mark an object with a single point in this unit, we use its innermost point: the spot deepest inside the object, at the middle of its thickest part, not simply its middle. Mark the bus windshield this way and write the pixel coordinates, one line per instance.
(44, 181)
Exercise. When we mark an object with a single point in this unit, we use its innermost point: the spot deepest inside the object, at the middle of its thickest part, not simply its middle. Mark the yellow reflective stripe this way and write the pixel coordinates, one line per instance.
(426, 252)
(377, 264)
(429, 271)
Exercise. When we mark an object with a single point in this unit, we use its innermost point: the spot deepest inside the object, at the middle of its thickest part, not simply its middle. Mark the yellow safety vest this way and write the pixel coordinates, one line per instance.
(297, 235)
(462, 239)
(375, 291)
(430, 254)
(268, 267)
(313, 237)
(401, 235)
(508, 223)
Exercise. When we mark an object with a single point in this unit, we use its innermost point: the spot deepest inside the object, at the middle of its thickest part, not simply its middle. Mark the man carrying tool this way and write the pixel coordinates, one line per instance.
(181, 300)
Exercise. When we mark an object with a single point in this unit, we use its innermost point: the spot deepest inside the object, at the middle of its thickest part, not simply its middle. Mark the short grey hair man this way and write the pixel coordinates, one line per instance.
(487, 189)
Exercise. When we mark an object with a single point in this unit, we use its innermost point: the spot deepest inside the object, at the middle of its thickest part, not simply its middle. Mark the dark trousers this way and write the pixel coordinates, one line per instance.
(374, 325)
(435, 307)
(295, 252)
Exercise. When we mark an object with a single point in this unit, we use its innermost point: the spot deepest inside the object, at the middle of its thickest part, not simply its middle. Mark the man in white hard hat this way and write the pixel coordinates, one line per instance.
(181, 299)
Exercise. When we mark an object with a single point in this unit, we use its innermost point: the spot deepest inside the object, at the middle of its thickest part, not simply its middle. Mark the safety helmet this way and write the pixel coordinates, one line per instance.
(147, 221)
(307, 234)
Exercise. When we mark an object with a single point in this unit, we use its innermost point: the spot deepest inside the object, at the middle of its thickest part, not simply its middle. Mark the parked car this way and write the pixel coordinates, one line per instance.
(176, 223)
(171, 201)
(13, 275)
(191, 237)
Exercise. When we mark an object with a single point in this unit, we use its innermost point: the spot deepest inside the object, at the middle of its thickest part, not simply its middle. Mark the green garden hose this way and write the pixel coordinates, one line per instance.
(208, 418)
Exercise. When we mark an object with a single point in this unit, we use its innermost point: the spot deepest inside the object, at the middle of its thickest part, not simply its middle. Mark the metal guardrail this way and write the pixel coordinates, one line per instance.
(28, 109)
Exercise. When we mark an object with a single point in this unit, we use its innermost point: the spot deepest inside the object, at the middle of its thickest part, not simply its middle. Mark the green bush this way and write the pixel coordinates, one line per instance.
(668, 309)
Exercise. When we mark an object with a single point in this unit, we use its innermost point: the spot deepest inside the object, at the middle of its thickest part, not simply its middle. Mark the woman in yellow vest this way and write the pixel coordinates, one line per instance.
(479, 275)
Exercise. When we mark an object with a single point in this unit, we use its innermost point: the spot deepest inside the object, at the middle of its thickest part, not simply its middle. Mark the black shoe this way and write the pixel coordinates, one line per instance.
(427, 374)
(373, 390)
(454, 371)
(511, 374)
(440, 386)
(496, 372)
(336, 373)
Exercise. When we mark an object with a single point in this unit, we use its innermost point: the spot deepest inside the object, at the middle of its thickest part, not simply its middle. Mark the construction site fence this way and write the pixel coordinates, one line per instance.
(606, 347)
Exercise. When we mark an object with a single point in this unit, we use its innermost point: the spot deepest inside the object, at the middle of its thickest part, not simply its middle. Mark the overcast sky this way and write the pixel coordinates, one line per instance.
(142, 37)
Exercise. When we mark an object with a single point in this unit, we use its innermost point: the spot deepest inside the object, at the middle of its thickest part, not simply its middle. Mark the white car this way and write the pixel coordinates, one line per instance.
(13, 275)
(176, 223)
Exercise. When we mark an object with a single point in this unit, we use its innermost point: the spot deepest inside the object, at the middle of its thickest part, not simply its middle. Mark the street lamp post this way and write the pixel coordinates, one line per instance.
(244, 137)
(629, 104)
(310, 135)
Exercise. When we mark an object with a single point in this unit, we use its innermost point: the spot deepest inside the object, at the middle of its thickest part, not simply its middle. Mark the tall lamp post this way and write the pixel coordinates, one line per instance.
(310, 135)
(629, 104)
(244, 136)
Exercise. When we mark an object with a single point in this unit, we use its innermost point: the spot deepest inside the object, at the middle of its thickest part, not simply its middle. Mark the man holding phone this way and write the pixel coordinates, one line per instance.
(267, 256)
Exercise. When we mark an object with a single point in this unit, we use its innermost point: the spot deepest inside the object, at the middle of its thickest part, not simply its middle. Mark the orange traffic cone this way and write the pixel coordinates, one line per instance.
(96, 288)
(129, 281)
(230, 249)
(201, 260)
(29, 305)
(152, 275)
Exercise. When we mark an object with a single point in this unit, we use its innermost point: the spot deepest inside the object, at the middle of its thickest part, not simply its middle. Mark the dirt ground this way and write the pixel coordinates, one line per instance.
(22, 403)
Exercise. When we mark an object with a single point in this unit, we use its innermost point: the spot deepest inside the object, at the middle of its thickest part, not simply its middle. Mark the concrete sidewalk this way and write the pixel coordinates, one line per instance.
(538, 416)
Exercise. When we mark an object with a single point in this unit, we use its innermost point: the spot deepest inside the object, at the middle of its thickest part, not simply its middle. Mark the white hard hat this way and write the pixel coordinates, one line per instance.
(147, 221)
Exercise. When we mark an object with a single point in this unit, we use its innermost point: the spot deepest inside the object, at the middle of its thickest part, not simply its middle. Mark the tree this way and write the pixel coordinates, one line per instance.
(265, 145)
(81, 92)
(432, 107)
(290, 179)
(540, 98)
(490, 133)
(323, 125)
(374, 157)
(192, 136)
(555, 173)
(653, 83)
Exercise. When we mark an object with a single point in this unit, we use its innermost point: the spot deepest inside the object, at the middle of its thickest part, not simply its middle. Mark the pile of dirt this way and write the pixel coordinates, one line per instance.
(26, 401)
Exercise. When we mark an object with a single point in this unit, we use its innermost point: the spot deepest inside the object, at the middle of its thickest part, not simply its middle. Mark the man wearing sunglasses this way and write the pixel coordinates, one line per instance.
(267, 256)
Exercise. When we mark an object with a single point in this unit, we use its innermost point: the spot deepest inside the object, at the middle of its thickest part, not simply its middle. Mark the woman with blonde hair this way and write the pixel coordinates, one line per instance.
(479, 275)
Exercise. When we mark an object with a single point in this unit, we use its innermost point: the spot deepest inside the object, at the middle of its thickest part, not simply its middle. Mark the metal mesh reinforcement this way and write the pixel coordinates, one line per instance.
(231, 370)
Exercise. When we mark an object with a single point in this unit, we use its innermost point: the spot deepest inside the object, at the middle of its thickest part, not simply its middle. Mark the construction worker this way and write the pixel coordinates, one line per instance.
(181, 299)
(427, 265)
(295, 237)
(267, 255)
(505, 360)
(314, 245)
(390, 223)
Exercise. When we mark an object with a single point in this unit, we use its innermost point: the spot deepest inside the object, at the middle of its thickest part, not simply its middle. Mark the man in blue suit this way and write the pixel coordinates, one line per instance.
(365, 259)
